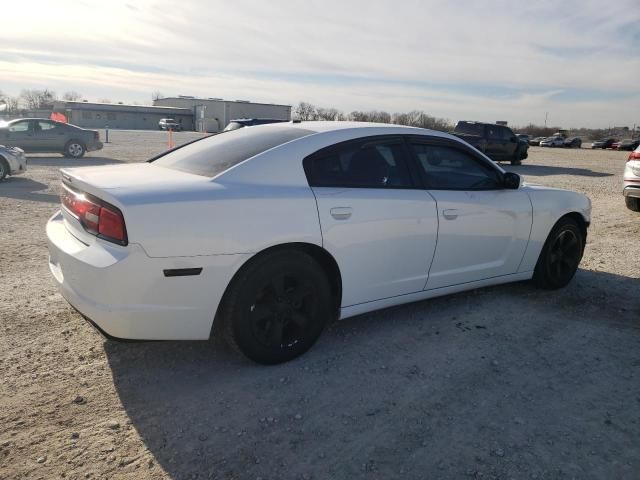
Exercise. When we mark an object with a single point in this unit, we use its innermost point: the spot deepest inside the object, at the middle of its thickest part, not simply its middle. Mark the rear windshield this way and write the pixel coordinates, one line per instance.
(469, 128)
(233, 126)
(213, 155)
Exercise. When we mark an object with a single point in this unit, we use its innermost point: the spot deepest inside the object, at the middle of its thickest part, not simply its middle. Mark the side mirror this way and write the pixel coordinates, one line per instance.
(511, 181)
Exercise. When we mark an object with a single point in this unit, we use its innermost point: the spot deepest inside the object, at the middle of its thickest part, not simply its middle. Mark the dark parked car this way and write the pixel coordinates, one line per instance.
(573, 142)
(497, 142)
(248, 122)
(603, 143)
(535, 142)
(41, 135)
(627, 144)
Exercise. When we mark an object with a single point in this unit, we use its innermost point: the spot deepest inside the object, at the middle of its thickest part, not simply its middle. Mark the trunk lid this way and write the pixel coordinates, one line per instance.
(127, 178)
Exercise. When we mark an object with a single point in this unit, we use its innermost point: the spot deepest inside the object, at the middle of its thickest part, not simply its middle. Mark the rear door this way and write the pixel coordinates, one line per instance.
(49, 136)
(483, 228)
(378, 225)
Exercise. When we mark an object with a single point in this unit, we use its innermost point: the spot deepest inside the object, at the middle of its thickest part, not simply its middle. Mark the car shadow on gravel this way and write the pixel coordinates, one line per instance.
(64, 162)
(507, 381)
(545, 170)
(23, 188)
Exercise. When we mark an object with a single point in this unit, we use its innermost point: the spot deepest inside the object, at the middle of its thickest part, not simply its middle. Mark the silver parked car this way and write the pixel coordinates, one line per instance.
(552, 142)
(12, 161)
(41, 135)
(169, 124)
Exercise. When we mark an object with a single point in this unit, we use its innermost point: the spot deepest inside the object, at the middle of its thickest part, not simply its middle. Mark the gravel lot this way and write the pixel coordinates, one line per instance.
(503, 382)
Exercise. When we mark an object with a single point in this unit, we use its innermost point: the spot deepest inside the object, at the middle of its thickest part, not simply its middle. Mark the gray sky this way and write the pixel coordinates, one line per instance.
(483, 60)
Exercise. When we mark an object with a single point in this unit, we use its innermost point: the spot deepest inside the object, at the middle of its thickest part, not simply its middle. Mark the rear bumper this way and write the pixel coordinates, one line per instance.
(125, 293)
(631, 191)
(93, 146)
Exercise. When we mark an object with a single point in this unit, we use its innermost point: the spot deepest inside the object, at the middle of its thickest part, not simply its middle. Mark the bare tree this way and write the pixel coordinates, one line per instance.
(305, 111)
(34, 99)
(329, 114)
(13, 104)
(156, 95)
(72, 96)
(372, 116)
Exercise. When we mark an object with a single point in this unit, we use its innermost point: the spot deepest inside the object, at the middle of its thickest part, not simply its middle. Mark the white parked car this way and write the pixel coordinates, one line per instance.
(631, 181)
(265, 234)
(12, 161)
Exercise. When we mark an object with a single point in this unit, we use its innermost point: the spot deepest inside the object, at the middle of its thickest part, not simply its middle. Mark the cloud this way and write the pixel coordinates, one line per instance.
(485, 60)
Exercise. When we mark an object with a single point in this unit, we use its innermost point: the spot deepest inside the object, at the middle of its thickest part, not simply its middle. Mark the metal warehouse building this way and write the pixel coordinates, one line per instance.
(134, 117)
(213, 114)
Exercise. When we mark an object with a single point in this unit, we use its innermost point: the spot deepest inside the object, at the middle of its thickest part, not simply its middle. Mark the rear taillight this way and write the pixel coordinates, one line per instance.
(96, 216)
(635, 155)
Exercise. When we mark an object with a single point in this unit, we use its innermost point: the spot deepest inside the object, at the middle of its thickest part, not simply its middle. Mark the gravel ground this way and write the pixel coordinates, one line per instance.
(503, 382)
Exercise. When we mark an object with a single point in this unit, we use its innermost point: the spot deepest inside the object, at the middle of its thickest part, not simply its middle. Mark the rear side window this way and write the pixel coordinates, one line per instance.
(213, 155)
(360, 164)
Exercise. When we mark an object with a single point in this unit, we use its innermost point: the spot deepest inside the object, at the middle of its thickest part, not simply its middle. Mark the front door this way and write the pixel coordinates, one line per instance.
(378, 225)
(20, 134)
(483, 228)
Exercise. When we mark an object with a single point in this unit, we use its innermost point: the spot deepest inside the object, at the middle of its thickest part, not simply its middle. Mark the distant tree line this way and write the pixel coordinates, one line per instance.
(415, 118)
(34, 99)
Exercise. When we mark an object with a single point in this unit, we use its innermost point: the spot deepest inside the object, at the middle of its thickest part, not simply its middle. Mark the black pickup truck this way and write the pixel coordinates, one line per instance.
(497, 142)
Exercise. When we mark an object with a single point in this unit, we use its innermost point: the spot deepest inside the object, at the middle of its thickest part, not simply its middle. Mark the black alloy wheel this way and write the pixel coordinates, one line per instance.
(276, 306)
(560, 255)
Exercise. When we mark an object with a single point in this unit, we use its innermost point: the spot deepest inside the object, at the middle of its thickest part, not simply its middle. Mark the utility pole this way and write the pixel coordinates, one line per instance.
(546, 114)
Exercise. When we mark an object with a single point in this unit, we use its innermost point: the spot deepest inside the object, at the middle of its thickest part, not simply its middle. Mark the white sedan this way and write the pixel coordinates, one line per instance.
(265, 234)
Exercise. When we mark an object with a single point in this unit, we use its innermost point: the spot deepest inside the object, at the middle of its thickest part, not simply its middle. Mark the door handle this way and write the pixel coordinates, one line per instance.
(450, 214)
(341, 213)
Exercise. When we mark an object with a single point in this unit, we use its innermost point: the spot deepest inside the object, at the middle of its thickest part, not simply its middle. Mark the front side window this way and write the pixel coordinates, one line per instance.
(19, 126)
(361, 164)
(505, 133)
(449, 168)
(217, 153)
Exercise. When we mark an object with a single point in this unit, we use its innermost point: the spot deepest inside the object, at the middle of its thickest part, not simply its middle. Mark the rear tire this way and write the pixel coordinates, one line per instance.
(276, 307)
(74, 149)
(632, 203)
(4, 169)
(560, 256)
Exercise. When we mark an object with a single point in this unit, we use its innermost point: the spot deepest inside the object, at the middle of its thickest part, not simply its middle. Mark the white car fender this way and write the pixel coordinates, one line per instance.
(549, 205)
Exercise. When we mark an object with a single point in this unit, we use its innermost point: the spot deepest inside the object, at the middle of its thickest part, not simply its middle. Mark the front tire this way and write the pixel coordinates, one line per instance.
(517, 157)
(74, 149)
(632, 203)
(276, 307)
(560, 256)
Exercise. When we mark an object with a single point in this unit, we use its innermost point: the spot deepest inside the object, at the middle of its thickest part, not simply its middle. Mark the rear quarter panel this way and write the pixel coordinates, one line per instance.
(221, 219)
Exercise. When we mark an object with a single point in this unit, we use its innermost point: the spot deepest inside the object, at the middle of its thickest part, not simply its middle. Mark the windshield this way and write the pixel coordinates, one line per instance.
(469, 128)
(213, 155)
(233, 126)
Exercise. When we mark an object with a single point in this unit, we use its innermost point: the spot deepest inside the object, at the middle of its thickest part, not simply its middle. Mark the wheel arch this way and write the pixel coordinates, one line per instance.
(326, 261)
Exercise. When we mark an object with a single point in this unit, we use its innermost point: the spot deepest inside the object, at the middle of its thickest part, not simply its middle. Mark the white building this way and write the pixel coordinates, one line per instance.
(213, 114)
